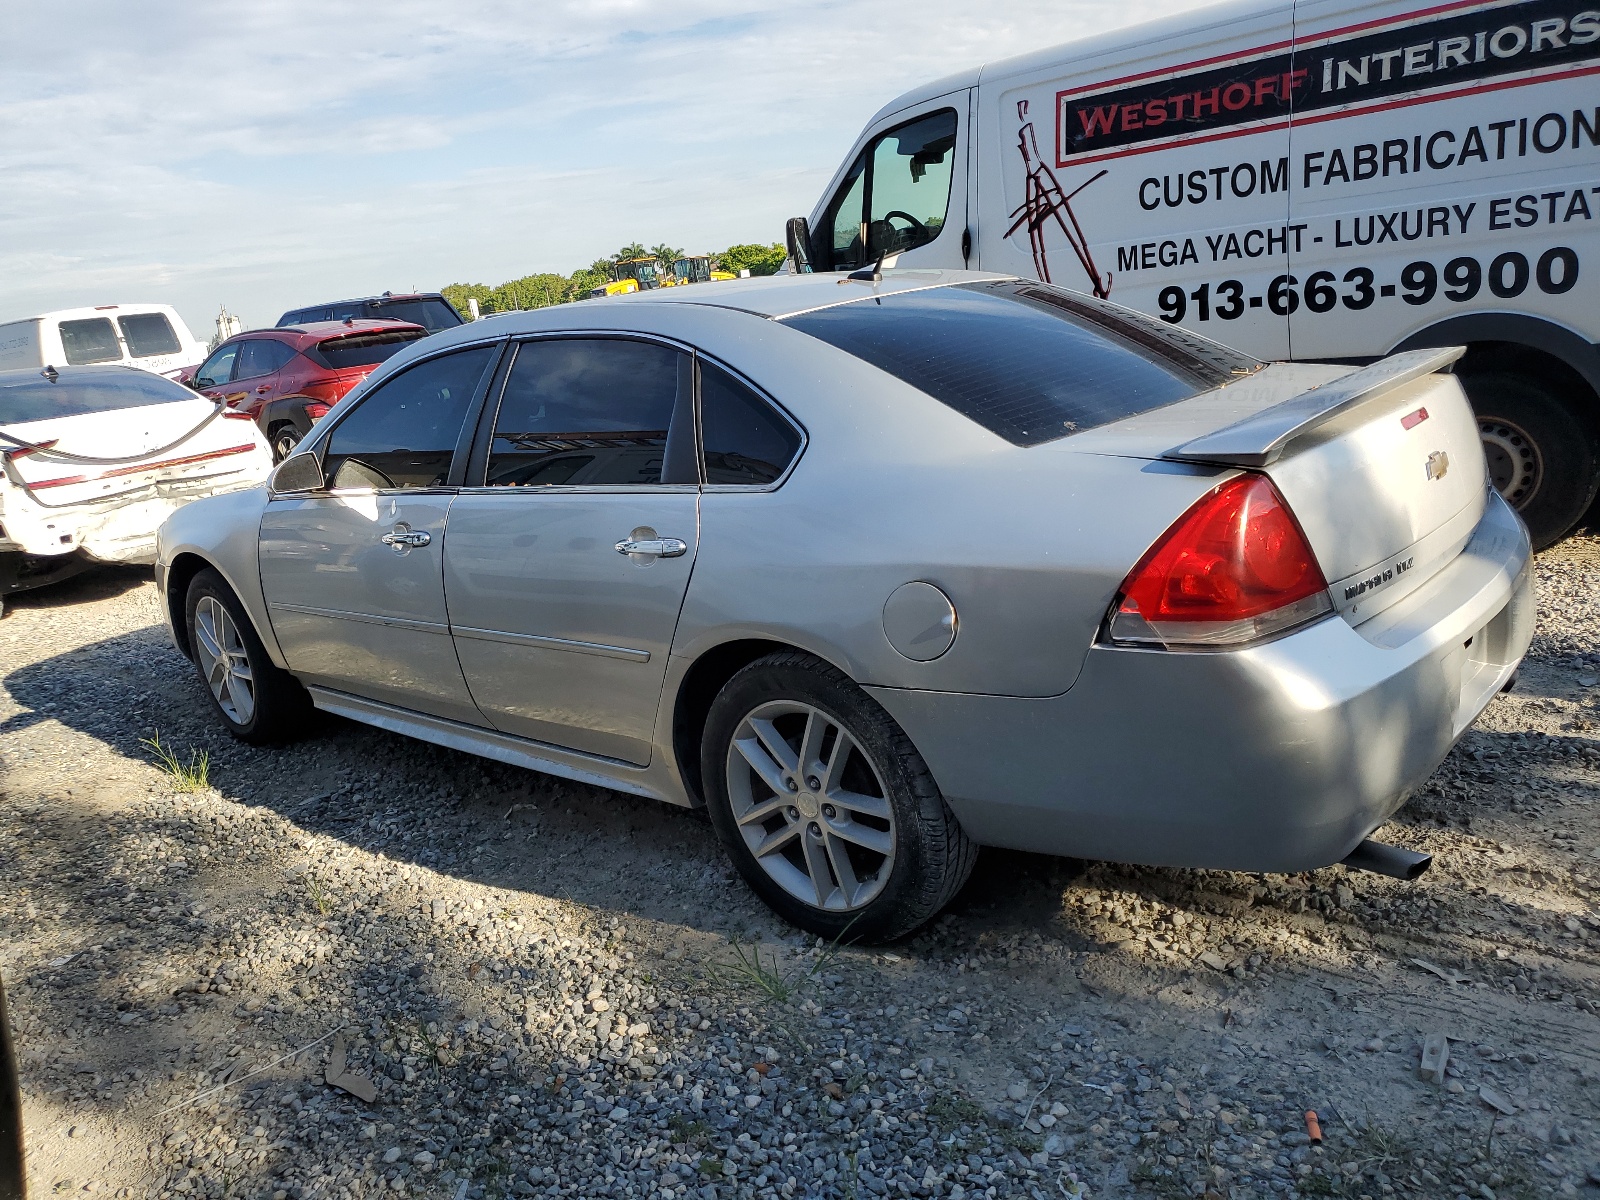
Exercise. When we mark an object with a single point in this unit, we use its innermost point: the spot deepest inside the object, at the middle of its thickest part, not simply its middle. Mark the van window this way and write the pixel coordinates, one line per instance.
(149, 334)
(1027, 361)
(90, 341)
(898, 191)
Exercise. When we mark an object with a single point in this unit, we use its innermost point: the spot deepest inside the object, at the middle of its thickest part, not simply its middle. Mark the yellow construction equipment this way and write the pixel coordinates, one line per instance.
(628, 275)
(695, 268)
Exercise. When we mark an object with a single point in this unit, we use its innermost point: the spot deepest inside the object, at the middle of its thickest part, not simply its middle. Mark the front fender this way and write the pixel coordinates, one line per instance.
(221, 532)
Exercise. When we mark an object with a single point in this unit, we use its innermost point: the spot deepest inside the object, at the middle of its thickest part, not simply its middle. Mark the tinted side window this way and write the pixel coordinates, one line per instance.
(149, 334)
(745, 441)
(584, 411)
(217, 369)
(404, 434)
(261, 356)
(90, 341)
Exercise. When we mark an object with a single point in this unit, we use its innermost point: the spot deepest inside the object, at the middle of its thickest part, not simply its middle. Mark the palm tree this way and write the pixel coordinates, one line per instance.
(631, 250)
(665, 256)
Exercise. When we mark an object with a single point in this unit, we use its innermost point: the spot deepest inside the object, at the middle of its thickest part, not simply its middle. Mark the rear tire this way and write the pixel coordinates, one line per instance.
(259, 702)
(1543, 456)
(284, 439)
(866, 818)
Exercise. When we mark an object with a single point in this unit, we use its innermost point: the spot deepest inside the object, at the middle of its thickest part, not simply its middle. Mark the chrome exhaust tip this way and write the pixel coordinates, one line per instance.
(1384, 859)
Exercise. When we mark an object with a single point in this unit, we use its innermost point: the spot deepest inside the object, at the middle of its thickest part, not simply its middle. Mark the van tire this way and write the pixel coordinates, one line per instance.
(1543, 456)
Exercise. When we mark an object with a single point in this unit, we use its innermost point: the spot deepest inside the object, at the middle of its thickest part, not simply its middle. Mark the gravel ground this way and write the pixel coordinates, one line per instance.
(559, 991)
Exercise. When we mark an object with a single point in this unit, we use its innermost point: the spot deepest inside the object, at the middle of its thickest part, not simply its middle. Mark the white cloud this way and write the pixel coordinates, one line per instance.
(286, 151)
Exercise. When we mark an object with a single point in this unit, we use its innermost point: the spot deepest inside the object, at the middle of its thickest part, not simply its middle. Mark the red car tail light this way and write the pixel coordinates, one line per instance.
(23, 451)
(1233, 569)
(233, 414)
(316, 411)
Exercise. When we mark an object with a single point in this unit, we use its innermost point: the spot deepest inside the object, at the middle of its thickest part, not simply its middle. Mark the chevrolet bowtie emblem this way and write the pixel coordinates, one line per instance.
(1438, 464)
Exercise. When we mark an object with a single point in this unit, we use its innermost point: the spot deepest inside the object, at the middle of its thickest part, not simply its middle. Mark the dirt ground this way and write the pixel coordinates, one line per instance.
(557, 990)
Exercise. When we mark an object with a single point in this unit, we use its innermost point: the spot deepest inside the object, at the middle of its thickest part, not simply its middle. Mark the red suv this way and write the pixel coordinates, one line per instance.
(288, 378)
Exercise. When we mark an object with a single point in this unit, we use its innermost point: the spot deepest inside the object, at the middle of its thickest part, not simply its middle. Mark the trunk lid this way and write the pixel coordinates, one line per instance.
(1382, 465)
(150, 444)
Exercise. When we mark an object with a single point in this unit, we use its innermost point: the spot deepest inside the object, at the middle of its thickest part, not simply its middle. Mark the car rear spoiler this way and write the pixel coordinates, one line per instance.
(1259, 439)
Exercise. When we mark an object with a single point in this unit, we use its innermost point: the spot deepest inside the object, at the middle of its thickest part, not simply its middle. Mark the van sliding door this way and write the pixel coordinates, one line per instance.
(1155, 175)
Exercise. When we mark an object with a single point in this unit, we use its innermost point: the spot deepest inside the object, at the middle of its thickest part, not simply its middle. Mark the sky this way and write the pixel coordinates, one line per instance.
(274, 153)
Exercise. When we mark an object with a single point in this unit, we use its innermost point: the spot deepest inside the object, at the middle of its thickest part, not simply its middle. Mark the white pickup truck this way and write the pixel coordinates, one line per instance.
(1304, 179)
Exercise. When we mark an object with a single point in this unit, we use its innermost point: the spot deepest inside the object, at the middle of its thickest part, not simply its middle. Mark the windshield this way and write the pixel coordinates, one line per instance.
(34, 398)
(1027, 361)
(361, 349)
(432, 314)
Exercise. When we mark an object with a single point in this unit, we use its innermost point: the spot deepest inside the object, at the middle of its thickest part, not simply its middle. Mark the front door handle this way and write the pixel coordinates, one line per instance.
(660, 547)
(404, 537)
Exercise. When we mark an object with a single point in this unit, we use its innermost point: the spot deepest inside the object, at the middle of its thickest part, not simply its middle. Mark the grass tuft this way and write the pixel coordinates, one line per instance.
(191, 776)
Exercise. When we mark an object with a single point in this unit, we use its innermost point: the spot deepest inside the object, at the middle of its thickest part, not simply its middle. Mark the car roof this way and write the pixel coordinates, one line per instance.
(386, 298)
(312, 332)
(785, 295)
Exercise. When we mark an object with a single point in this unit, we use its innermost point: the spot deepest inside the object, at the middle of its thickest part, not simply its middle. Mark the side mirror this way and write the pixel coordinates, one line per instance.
(797, 236)
(298, 473)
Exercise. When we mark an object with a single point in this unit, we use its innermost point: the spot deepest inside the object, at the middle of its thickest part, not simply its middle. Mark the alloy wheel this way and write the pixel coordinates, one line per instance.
(223, 660)
(811, 805)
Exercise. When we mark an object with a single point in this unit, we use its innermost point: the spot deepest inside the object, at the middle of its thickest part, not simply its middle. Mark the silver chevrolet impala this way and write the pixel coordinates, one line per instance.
(881, 569)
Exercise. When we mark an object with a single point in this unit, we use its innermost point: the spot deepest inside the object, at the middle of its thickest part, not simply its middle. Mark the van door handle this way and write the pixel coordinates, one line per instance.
(661, 547)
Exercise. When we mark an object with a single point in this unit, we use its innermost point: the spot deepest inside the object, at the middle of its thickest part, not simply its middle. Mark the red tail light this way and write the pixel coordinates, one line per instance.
(316, 411)
(233, 414)
(1234, 568)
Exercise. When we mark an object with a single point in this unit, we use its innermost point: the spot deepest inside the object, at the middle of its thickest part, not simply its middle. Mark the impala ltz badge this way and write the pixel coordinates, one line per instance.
(1438, 464)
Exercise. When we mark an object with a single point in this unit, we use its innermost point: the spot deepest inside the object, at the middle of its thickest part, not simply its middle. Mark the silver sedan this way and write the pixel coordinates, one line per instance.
(881, 569)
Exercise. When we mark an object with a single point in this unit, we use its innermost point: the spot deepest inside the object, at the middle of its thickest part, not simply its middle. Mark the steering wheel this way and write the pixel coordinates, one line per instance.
(916, 225)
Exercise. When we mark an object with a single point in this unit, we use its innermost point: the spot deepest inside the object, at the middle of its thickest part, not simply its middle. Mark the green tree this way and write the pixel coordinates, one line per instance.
(631, 250)
(758, 260)
(459, 293)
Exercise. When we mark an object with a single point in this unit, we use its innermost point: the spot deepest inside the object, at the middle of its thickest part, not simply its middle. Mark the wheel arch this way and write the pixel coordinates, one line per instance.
(1516, 342)
(185, 565)
(698, 688)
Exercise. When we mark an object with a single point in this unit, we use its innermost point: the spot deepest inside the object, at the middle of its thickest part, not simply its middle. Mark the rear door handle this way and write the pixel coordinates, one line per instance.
(661, 547)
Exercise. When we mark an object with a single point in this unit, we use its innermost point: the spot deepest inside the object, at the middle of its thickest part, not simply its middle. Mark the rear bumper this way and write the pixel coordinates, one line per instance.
(1280, 757)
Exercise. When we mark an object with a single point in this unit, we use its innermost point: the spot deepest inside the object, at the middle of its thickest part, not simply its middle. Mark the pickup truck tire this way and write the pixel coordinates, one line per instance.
(1543, 454)
(259, 702)
(855, 846)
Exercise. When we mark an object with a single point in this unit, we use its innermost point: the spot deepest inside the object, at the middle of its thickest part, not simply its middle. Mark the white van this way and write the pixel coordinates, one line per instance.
(150, 336)
(1321, 179)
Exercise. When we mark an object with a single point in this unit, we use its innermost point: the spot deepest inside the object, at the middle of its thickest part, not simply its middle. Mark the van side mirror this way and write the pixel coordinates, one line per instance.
(298, 473)
(797, 235)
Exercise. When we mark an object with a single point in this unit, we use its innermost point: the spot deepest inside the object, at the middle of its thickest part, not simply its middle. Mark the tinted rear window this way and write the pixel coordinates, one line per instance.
(361, 349)
(35, 398)
(91, 340)
(149, 334)
(1027, 361)
(432, 315)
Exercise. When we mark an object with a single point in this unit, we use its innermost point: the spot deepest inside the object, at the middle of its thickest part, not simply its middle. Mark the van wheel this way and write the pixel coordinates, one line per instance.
(1543, 457)
(259, 702)
(284, 439)
(825, 806)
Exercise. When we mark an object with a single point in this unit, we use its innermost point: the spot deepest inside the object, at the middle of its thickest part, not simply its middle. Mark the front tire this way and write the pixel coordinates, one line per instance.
(1543, 457)
(825, 806)
(259, 702)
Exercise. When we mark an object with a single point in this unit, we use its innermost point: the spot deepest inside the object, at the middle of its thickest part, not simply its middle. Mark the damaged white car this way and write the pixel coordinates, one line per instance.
(95, 458)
